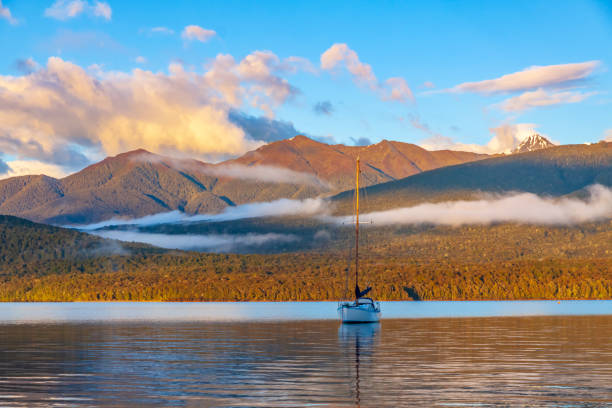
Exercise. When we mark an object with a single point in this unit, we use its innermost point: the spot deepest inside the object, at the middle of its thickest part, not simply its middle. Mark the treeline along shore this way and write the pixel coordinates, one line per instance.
(500, 262)
(307, 277)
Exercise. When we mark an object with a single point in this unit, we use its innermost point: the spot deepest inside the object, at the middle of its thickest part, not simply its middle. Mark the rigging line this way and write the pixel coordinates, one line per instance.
(366, 233)
(350, 250)
(348, 271)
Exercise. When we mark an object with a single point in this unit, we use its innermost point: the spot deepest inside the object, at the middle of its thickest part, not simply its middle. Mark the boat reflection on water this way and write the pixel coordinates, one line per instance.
(359, 340)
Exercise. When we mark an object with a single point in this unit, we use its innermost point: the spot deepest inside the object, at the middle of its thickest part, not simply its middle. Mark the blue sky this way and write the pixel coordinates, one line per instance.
(430, 48)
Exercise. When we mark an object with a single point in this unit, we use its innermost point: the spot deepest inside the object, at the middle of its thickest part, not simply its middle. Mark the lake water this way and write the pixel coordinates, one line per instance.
(296, 354)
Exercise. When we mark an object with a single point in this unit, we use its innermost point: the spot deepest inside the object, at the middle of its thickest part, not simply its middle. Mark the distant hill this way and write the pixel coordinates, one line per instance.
(555, 171)
(29, 247)
(139, 183)
(335, 164)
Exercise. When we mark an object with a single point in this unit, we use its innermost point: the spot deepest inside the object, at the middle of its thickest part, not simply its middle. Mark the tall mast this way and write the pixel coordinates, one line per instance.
(357, 229)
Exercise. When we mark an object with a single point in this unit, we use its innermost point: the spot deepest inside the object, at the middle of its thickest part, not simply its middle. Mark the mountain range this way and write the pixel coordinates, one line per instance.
(139, 183)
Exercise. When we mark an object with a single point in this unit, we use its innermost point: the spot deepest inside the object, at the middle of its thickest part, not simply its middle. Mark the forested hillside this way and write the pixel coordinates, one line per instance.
(29, 247)
(506, 261)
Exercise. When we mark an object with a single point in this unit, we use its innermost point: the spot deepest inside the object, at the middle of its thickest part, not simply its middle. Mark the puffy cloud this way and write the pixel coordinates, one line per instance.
(59, 110)
(531, 78)
(523, 208)
(194, 32)
(67, 9)
(541, 97)
(505, 138)
(259, 67)
(5, 13)
(261, 70)
(323, 108)
(608, 135)
(140, 59)
(339, 54)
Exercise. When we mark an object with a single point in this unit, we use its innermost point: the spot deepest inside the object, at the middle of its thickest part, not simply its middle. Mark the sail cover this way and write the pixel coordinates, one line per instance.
(361, 293)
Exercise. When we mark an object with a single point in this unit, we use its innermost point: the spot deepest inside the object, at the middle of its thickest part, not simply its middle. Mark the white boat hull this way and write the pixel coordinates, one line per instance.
(361, 313)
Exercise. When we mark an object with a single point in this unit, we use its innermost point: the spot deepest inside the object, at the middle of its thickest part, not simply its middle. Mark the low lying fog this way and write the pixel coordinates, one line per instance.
(311, 206)
(524, 208)
(209, 243)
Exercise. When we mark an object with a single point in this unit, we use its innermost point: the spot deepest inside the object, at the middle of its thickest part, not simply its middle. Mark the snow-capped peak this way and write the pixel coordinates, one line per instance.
(533, 142)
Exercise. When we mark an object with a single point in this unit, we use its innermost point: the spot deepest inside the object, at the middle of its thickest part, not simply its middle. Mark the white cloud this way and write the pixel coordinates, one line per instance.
(505, 138)
(339, 54)
(264, 173)
(5, 13)
(261, 70)
(531, 78)
(102, 9)
(140, 59)
(270, 174)
(608, 135)
(541, 97)
(212, 242)
(27, 167)
(523, 208)
(62, 109)
(159, 30)
(67, 9)
(194, 32)
(277, 208)
(396, 89)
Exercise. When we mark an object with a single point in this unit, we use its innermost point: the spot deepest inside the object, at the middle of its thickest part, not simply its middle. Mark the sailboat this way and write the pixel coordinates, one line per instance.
(362, 309)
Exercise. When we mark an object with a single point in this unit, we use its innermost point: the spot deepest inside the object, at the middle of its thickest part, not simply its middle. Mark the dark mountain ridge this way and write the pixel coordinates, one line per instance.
(555, 171)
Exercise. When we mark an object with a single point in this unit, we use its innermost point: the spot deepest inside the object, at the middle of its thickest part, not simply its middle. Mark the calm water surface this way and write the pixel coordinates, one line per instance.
(157, 354)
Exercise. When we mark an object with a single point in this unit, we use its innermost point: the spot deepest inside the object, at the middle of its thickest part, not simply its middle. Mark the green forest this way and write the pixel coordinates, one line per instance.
(499, 262)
